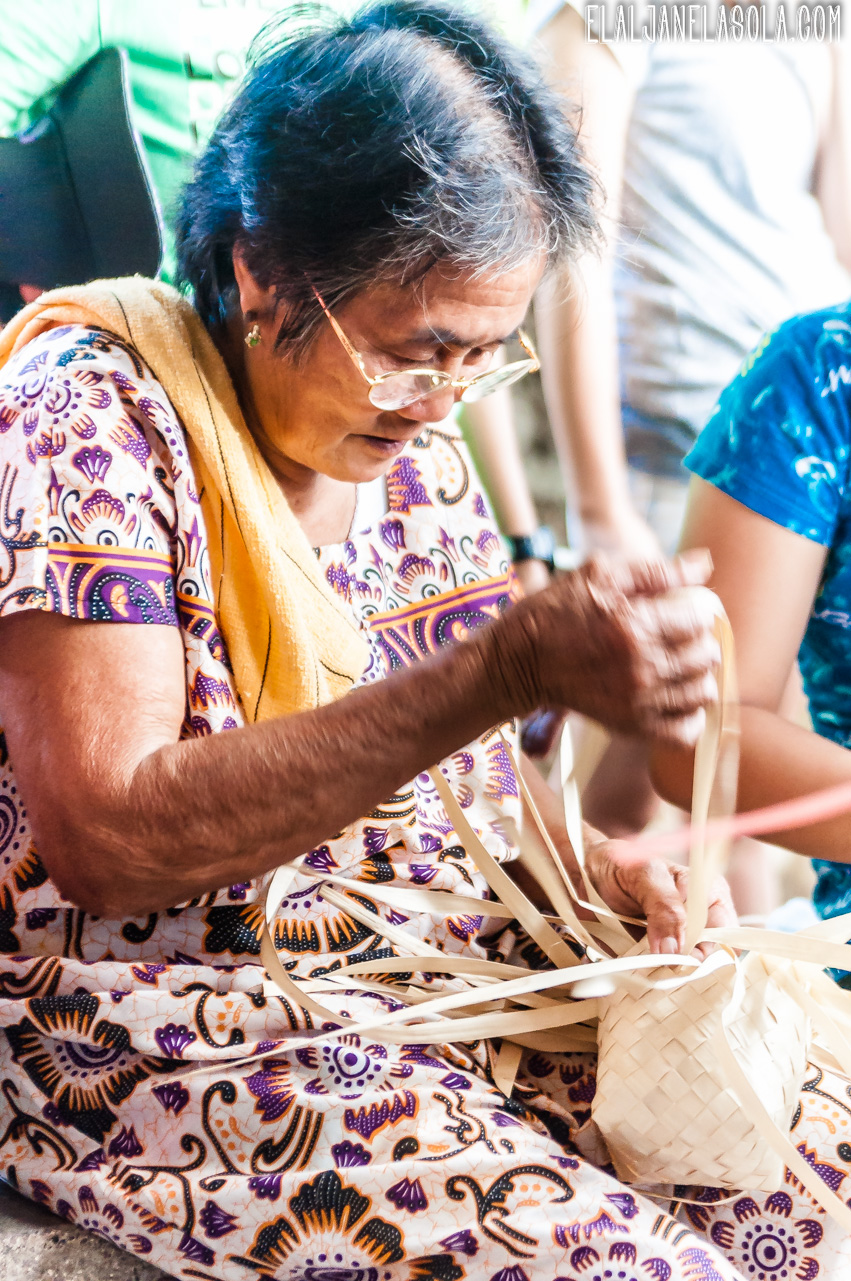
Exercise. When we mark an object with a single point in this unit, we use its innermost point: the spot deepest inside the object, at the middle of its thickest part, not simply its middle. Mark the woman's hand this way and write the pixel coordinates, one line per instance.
(618, 642)
(653, 889)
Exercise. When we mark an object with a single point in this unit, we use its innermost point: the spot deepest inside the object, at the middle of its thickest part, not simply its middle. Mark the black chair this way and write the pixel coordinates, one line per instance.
(76, 201)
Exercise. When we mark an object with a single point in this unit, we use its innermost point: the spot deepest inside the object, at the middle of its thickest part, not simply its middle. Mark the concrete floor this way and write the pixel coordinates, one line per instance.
(37, 1246)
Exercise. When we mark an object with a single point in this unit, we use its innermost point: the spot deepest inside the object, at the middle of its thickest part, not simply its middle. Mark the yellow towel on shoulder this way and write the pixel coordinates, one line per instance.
(293, 645)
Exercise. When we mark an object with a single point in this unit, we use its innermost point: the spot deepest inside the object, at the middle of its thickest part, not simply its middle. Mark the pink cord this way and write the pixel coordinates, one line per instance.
(800, 812)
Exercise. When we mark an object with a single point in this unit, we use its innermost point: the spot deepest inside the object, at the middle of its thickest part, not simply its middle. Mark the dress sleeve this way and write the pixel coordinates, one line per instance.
(90, 450)
(778, 441)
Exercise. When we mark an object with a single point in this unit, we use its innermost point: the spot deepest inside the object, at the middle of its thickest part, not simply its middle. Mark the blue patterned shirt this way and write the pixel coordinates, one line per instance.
(779, 442)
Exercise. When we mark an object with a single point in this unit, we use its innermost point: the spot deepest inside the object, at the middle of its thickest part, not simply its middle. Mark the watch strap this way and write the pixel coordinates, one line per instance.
(539, 545)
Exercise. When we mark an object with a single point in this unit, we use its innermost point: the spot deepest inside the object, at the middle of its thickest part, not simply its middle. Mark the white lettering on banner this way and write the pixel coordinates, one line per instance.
(630, 21)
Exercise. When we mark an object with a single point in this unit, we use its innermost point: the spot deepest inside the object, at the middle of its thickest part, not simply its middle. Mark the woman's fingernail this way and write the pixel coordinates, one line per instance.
(669, 946)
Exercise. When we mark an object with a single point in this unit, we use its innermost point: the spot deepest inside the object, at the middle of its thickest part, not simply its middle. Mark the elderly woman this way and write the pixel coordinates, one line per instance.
(224, 519)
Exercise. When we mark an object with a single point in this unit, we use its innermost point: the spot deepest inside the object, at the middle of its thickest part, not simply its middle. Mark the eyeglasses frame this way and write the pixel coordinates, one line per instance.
(440, 380)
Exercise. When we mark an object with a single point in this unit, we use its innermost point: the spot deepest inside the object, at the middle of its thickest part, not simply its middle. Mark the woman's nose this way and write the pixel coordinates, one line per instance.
(432, 408)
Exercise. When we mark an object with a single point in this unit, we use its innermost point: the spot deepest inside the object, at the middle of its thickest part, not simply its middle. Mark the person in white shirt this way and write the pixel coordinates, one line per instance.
(725, 174)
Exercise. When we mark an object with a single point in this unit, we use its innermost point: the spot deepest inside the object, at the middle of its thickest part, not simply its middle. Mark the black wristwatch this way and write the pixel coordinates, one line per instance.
(541, 545)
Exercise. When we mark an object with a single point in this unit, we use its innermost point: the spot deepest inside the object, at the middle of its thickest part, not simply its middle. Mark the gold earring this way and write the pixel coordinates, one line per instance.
(252, 338)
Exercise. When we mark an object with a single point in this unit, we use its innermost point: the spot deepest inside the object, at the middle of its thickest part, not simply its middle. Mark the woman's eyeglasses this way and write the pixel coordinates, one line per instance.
(403, 387)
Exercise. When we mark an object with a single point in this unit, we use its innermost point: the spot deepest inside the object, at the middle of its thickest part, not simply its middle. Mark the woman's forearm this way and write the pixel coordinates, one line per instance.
(550, 807)
(578, 342)
(228, 807)
(490, 432)
(352, 754)
(130, 816)
(779, 761)
(577, 327)
(834, 165)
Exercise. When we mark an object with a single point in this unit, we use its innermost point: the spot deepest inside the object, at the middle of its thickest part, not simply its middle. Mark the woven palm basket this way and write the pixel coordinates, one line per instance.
(665, 1103)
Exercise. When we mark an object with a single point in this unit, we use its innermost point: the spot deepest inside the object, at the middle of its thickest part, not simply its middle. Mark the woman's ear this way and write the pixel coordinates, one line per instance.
(255, 302)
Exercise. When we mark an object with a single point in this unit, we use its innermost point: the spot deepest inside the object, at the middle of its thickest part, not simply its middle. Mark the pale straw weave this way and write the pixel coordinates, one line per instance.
(664, 1101)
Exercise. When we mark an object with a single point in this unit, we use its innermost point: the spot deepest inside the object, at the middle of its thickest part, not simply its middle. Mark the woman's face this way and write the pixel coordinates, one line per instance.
(317, 417)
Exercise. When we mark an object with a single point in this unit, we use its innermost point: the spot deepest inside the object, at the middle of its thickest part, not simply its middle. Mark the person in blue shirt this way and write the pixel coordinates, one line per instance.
(771, 499)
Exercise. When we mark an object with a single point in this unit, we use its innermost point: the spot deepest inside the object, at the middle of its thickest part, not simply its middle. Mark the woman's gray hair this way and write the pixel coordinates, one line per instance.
(371, 148)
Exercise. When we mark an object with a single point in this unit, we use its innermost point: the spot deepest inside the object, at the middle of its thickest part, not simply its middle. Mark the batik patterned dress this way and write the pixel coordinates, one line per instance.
(343, 1161)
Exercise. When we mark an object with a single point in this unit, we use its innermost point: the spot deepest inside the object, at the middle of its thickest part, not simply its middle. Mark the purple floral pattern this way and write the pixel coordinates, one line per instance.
(173, 1039)
(407, 1195)
(173, 1096)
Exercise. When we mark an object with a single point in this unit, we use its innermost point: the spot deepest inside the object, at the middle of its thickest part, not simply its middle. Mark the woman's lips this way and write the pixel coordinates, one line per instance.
(384, 445)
